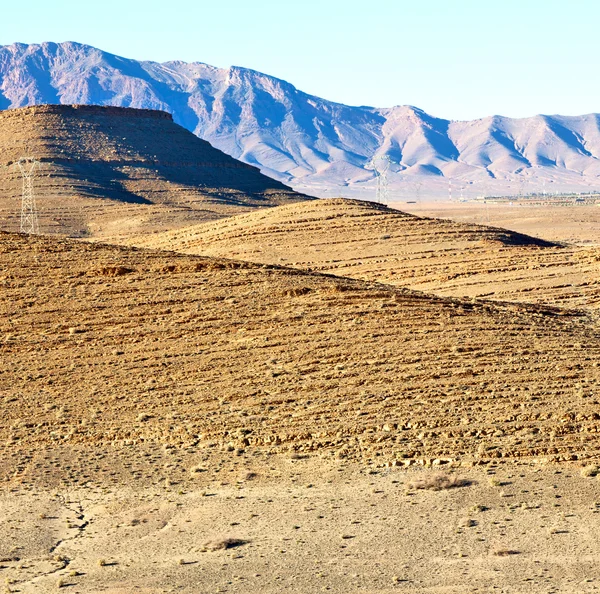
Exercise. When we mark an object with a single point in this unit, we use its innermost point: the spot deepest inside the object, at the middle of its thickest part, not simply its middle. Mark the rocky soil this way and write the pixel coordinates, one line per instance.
(188, 423)
(372, 242)
(276, 524)
(130, 351)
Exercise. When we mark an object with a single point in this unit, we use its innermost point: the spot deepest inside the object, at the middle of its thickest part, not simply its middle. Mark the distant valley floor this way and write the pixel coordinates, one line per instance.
(572, 224)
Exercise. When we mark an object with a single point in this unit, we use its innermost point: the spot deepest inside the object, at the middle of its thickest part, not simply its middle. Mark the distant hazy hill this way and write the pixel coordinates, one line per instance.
(305, 140)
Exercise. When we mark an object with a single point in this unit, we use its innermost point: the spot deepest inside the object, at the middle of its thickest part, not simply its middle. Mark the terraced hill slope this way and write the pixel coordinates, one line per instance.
(369, 241)
(103, 348)
(114, 170)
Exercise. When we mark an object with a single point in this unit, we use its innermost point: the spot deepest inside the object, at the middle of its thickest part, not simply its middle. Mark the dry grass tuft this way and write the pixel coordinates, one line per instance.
(590, 470)
(297, 291)
(438, 482)
(222, 544)
(505, 552)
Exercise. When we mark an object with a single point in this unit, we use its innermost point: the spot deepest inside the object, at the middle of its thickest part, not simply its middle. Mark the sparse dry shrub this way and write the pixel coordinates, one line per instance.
(438, 482)
(339, 288)
(222, 544)
(113, 271)
(61, 559)
(297, 291)
(590, 470)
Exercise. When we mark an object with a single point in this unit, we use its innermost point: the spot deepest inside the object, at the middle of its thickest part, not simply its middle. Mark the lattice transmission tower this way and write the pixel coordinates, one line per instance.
(381, 166)
(29, 215)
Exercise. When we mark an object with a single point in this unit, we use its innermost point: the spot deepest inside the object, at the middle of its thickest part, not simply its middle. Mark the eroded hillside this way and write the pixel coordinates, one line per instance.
(372, 242)
(104, 348)
(108, 170)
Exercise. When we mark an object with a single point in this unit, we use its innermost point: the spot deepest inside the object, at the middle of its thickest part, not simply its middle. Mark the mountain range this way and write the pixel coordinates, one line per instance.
(315, 145)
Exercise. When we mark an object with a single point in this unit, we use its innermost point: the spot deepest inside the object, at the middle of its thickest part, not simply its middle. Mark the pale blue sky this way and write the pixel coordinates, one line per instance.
(458, 59)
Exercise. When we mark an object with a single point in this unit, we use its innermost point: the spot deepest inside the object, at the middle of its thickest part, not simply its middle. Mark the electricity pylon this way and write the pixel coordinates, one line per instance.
(29, 215)
(381, 165)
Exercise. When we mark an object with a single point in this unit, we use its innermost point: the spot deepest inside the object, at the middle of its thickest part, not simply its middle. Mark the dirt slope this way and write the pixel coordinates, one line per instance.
(372, 242)
(104, 347)
(113, 170)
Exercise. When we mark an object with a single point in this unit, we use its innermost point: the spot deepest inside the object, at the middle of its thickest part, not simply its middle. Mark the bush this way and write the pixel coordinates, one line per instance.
(438, 482)
(221, 544)
(590, 470)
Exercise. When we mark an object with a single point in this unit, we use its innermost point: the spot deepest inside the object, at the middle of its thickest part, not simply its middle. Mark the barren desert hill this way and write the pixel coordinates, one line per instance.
(370, 241)
(108, 354)
(120, 169)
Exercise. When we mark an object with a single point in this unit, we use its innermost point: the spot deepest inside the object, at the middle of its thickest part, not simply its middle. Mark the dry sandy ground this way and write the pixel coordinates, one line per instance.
(181, 423)
(307, 525)
(571, 224)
